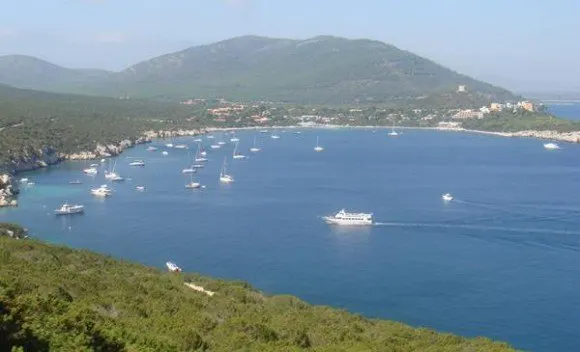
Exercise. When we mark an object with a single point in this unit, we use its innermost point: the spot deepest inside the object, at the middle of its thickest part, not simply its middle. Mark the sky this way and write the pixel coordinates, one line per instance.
(524, 45)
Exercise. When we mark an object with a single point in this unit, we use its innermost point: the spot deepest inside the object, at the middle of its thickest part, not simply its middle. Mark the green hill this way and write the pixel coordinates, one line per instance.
(320, 70)
(60, 299)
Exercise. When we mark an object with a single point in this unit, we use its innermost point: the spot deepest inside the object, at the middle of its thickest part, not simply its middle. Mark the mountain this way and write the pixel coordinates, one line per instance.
(60, 299)
(320, 70)
(32, 73)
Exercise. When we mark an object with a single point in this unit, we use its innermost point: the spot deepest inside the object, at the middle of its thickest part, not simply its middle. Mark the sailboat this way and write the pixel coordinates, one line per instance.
(221, 141)
(189, 169)
(236, 155)
(112, 175)
(224, 177)
(202, 151)
(192, 184)
(234, 139)
(198, 156)
(318, 147)
(255, 149)
(393, 133)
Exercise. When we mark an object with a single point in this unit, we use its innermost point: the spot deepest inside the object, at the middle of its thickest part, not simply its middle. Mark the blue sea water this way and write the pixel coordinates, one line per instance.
(570, 111)
(502, 261)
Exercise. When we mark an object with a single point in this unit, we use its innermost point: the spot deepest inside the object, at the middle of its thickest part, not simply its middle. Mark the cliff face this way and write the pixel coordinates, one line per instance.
(7, 191)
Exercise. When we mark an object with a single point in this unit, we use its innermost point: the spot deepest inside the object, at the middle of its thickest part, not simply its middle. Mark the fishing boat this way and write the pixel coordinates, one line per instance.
(255, 149)
(224, 177)
(235, 155)
(447, 197)
(318, 147)
(172, 267)
(349, 219)
(137, 163)
(69, 209)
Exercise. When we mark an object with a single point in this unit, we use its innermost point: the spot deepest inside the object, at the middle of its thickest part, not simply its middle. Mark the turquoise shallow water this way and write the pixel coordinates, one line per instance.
(502, 261)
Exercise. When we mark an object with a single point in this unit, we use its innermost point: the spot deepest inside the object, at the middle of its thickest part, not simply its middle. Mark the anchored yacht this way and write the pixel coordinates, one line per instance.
(350, 219)
(235, 154)
(91, 171)
(103, 191)
(255, 149)
(68, 209)
(224, 177)
(318, 147)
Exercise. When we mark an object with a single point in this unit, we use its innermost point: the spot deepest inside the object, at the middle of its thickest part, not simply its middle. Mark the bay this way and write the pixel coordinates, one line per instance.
(502, 261)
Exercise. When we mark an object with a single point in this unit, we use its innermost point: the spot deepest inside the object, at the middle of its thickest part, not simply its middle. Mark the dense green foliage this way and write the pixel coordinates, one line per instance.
(33, 121)
(325, 70)
(55, 298)
(521, 121)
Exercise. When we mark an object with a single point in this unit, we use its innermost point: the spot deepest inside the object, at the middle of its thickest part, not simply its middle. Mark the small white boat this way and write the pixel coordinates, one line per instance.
(236, 155)
(234, 139)
(349, 219)
(169, 145)
(103, 160)
(275, 136)
(103, 191)
(198, 166)
(164, 153)
(215, 146)
(393, 133)
(137, 163)
(180, 146)
(318, 147)
(198, 155)
(91, 171)
(75, 182)
(171, 266)
(551, 146)
(140, 188)
(192, 184)
(447, 197)
(24, 180)
(224, 177)
(263, 131)
(255, 149)
(68, 209)
(209, 137)
(151, 149)
(188, 170)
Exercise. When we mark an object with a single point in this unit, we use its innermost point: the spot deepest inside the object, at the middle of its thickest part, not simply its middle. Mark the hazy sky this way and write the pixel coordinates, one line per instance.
(521, 44)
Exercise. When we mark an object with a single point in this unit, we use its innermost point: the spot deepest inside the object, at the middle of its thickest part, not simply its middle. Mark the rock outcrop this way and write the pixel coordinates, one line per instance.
(7, 191)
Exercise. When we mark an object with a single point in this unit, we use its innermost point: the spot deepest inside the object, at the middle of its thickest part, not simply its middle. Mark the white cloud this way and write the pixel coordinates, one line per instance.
(111, 37)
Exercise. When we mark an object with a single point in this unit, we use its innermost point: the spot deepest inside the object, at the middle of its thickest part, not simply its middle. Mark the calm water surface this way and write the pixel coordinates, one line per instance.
(502, 261)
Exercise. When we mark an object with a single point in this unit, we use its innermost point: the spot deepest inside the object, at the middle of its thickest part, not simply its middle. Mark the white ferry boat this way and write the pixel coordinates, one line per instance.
(344, 218)
(171, 266)
(67, 209)
(551, 146)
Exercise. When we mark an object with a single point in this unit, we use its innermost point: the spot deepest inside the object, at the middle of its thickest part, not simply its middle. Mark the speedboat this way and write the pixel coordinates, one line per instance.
(140, 188)
(137, 163)
(447, 197)
(67, 209)
(349, 219)
(91, 171)
(171, 266)
(551, 146)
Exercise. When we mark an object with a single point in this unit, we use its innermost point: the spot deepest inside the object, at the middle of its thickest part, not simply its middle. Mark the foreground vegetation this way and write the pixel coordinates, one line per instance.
(60, 299)
(522, 121)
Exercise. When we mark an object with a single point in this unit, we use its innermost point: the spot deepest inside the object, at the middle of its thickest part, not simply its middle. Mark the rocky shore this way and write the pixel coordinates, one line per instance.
(569, 137)
(7, 191)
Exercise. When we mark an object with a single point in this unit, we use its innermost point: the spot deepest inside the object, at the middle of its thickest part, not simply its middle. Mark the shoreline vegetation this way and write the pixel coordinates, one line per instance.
(57, 298)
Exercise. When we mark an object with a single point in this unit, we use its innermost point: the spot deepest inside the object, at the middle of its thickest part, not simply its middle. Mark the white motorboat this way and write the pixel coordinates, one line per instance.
(180, 146)
(447, 197)
(224, 177)
(255, 149)
(91, 171)
(169, 145)
(151, 149)
(275, 136)
(171, 266)
(215, 146)
(103, 191)
(24, 180)
(137, 163)
(140, 188)
(318, 147)
(551, 146)
(68, 209)
(349, 219)
(235, 155)
(198, 166)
